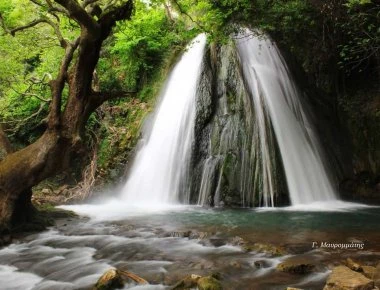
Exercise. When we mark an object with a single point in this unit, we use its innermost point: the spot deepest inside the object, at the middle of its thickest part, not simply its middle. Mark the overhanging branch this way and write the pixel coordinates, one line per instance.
(98, 98)
(62, 41)
(182, 11)
(105, 96)
(85, 3)
(79, 14)
(26, 26)
(109, 18)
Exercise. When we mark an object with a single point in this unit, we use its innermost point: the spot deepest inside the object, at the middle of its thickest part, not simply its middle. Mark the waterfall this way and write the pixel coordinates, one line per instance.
(276, 98)
(160, 169)
(241, 126)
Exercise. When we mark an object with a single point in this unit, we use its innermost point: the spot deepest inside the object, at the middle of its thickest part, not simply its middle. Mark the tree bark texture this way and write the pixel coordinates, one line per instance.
(23, 169)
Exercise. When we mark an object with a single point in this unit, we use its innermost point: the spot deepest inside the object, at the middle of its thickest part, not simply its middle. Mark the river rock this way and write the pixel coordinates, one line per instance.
(198, 282)
(354, 266)
(376, 276)
(188, 282)
(199, 235)
(261, 264)
(296, 265)
(183, 234)
(115, 279)
(110, 280)
(369, 271)
(343, 278)
(209, 283)
(267, 249)
(5, 237)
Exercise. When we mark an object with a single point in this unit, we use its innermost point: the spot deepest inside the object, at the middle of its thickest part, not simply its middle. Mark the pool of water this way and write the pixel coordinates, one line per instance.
(164, 244)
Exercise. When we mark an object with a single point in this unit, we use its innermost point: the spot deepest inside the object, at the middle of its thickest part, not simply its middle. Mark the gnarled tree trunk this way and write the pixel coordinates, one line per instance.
(21, 170)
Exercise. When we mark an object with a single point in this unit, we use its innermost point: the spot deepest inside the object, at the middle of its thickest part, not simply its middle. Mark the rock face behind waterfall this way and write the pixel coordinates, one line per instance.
(226, 163)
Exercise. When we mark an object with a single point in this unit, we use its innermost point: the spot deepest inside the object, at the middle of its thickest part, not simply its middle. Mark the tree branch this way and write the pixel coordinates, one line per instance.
(29, 25)
(108, 19)
(58, 84)
(80, 15)
(98, 98)
(88, 2)
(62, 41)
(38, 3)
(189, 16)
(27, 94)
(21, 122)
(53, 8)
(101, 97)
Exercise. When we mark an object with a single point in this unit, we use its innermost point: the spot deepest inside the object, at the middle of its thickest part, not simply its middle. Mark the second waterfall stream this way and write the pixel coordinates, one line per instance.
(274, 93)
(161, 170)
(162, 162)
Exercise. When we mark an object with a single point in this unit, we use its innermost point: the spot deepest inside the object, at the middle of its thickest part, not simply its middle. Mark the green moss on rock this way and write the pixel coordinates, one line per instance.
(209, 283)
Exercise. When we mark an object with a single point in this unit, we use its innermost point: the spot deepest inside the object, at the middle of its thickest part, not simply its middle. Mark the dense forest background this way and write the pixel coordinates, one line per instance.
(332, 46)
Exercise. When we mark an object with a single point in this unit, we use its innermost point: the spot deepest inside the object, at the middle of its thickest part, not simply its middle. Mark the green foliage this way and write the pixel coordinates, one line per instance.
(139, 47)
(353, 3)
(30, 59)
(361, 30)
(217, 18)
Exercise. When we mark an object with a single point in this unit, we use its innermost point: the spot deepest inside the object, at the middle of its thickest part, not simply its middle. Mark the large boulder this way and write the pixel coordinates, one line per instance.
(343, 278)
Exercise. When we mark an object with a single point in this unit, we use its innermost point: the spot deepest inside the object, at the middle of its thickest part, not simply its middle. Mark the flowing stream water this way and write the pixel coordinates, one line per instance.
(163, 246)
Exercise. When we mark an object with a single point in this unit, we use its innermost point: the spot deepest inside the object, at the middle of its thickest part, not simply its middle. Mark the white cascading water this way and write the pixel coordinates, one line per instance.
(158, 174)
(274, 91)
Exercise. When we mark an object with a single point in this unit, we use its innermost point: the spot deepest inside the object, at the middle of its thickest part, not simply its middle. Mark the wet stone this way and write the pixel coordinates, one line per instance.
(343, 278)
(296, 265)
(267, 249)
(116, 279)
(110, 280)
(369, 271)
(188, 282)
(261, 264)
(184, 234)
(209, 283)
(198, 282)
(354, 266)
(217, 242)
(199, 235)
(376, 276)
